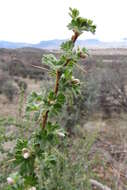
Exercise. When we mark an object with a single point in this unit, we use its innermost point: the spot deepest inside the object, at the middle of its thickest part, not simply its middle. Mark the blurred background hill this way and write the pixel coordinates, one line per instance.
(55, 44)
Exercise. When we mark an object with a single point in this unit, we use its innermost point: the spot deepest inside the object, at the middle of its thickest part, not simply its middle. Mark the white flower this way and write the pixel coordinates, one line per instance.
(25, 153)
(60, 134)
(10, 181)
(32, 188)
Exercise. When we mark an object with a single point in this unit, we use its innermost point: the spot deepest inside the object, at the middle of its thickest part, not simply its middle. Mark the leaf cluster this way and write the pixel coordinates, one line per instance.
(79, 24)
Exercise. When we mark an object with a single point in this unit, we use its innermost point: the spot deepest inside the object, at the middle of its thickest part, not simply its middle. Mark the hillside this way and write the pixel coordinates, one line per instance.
(18, 62)
(55, 44)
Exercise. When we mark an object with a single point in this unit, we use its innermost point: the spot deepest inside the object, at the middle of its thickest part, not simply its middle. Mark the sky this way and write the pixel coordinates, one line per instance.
(32, 21)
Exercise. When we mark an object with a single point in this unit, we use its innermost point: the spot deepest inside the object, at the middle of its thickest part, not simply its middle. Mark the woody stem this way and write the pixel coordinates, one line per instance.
(58, 75)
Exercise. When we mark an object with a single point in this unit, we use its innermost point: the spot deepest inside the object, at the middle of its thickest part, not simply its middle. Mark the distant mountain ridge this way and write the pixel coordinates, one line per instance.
(55, 44)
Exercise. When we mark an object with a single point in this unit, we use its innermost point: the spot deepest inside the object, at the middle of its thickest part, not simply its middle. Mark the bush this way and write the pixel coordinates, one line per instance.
(18, 68)
(9, 90)
(22, 85)
(3, 79)
(104, 90)
(41, 160)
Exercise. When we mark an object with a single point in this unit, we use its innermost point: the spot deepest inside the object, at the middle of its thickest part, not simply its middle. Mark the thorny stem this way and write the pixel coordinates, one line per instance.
(58, 75)
(68, 60)
(44, 119)
(75, 36)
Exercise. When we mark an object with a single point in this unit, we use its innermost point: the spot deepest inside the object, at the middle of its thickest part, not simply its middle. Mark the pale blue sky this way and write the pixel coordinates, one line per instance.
(35, 20)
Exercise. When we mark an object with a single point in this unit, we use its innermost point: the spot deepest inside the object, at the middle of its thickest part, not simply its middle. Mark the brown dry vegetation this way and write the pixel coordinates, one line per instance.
(107, 74)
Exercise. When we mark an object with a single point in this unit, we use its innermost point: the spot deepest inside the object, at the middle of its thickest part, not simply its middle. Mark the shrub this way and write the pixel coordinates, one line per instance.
(16, 67)
(22, 85)
(3, 79)
(113, 96)
(104, 90)
(41, 160)
(9, 90)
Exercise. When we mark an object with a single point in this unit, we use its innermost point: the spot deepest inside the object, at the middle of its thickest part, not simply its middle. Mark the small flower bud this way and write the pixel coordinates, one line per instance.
(25, 153)
(51, 101)
(10, 181)
(60, 134)
(32, 188)
(75, 81)
(82, 55)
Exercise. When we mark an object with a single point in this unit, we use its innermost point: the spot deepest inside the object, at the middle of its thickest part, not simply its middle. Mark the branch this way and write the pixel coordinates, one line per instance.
(44, 120)
(68, 60)
(6, 164)
(58, 74)
(75, 36)
(79, 67)
(42, 68)
(99, 185)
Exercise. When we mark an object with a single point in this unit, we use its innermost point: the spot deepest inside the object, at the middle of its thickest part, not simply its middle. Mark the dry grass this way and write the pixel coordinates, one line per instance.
(109, 152)
(8, 108)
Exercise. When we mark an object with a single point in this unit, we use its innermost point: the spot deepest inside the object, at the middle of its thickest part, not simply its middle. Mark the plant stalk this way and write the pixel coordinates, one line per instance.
(58, 75)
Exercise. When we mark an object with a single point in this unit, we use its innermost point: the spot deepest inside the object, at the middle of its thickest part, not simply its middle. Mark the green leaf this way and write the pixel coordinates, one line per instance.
(67, 74)
(80, 24)
(57, 107)
(50, 60)
(73, 13)
(67, 46)
(85, 51)
(61, 98)
(36, 115)
(50, 127)
(32, 107)
(51, 95)
(34, 96)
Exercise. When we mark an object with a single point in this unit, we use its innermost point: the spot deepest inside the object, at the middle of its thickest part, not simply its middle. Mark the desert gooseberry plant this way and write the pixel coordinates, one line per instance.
(37, 156)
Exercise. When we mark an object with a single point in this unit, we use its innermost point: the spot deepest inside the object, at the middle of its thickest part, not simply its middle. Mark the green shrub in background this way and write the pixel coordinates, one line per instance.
(41, 161)
(9, 90)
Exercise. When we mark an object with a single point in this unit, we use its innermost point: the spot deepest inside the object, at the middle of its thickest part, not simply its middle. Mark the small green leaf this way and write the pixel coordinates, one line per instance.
(50, 60)
(32, 107)
(67, 46)
(80, 24)
(61, 98)
(51, 95)
(85, 51)
(73, 13)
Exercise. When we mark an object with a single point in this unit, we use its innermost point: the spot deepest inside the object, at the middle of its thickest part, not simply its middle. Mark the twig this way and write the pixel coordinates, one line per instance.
(58, 75)
(81, 68)
(99, 185)
(44, 120)
(9, 161)
(42, 68)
